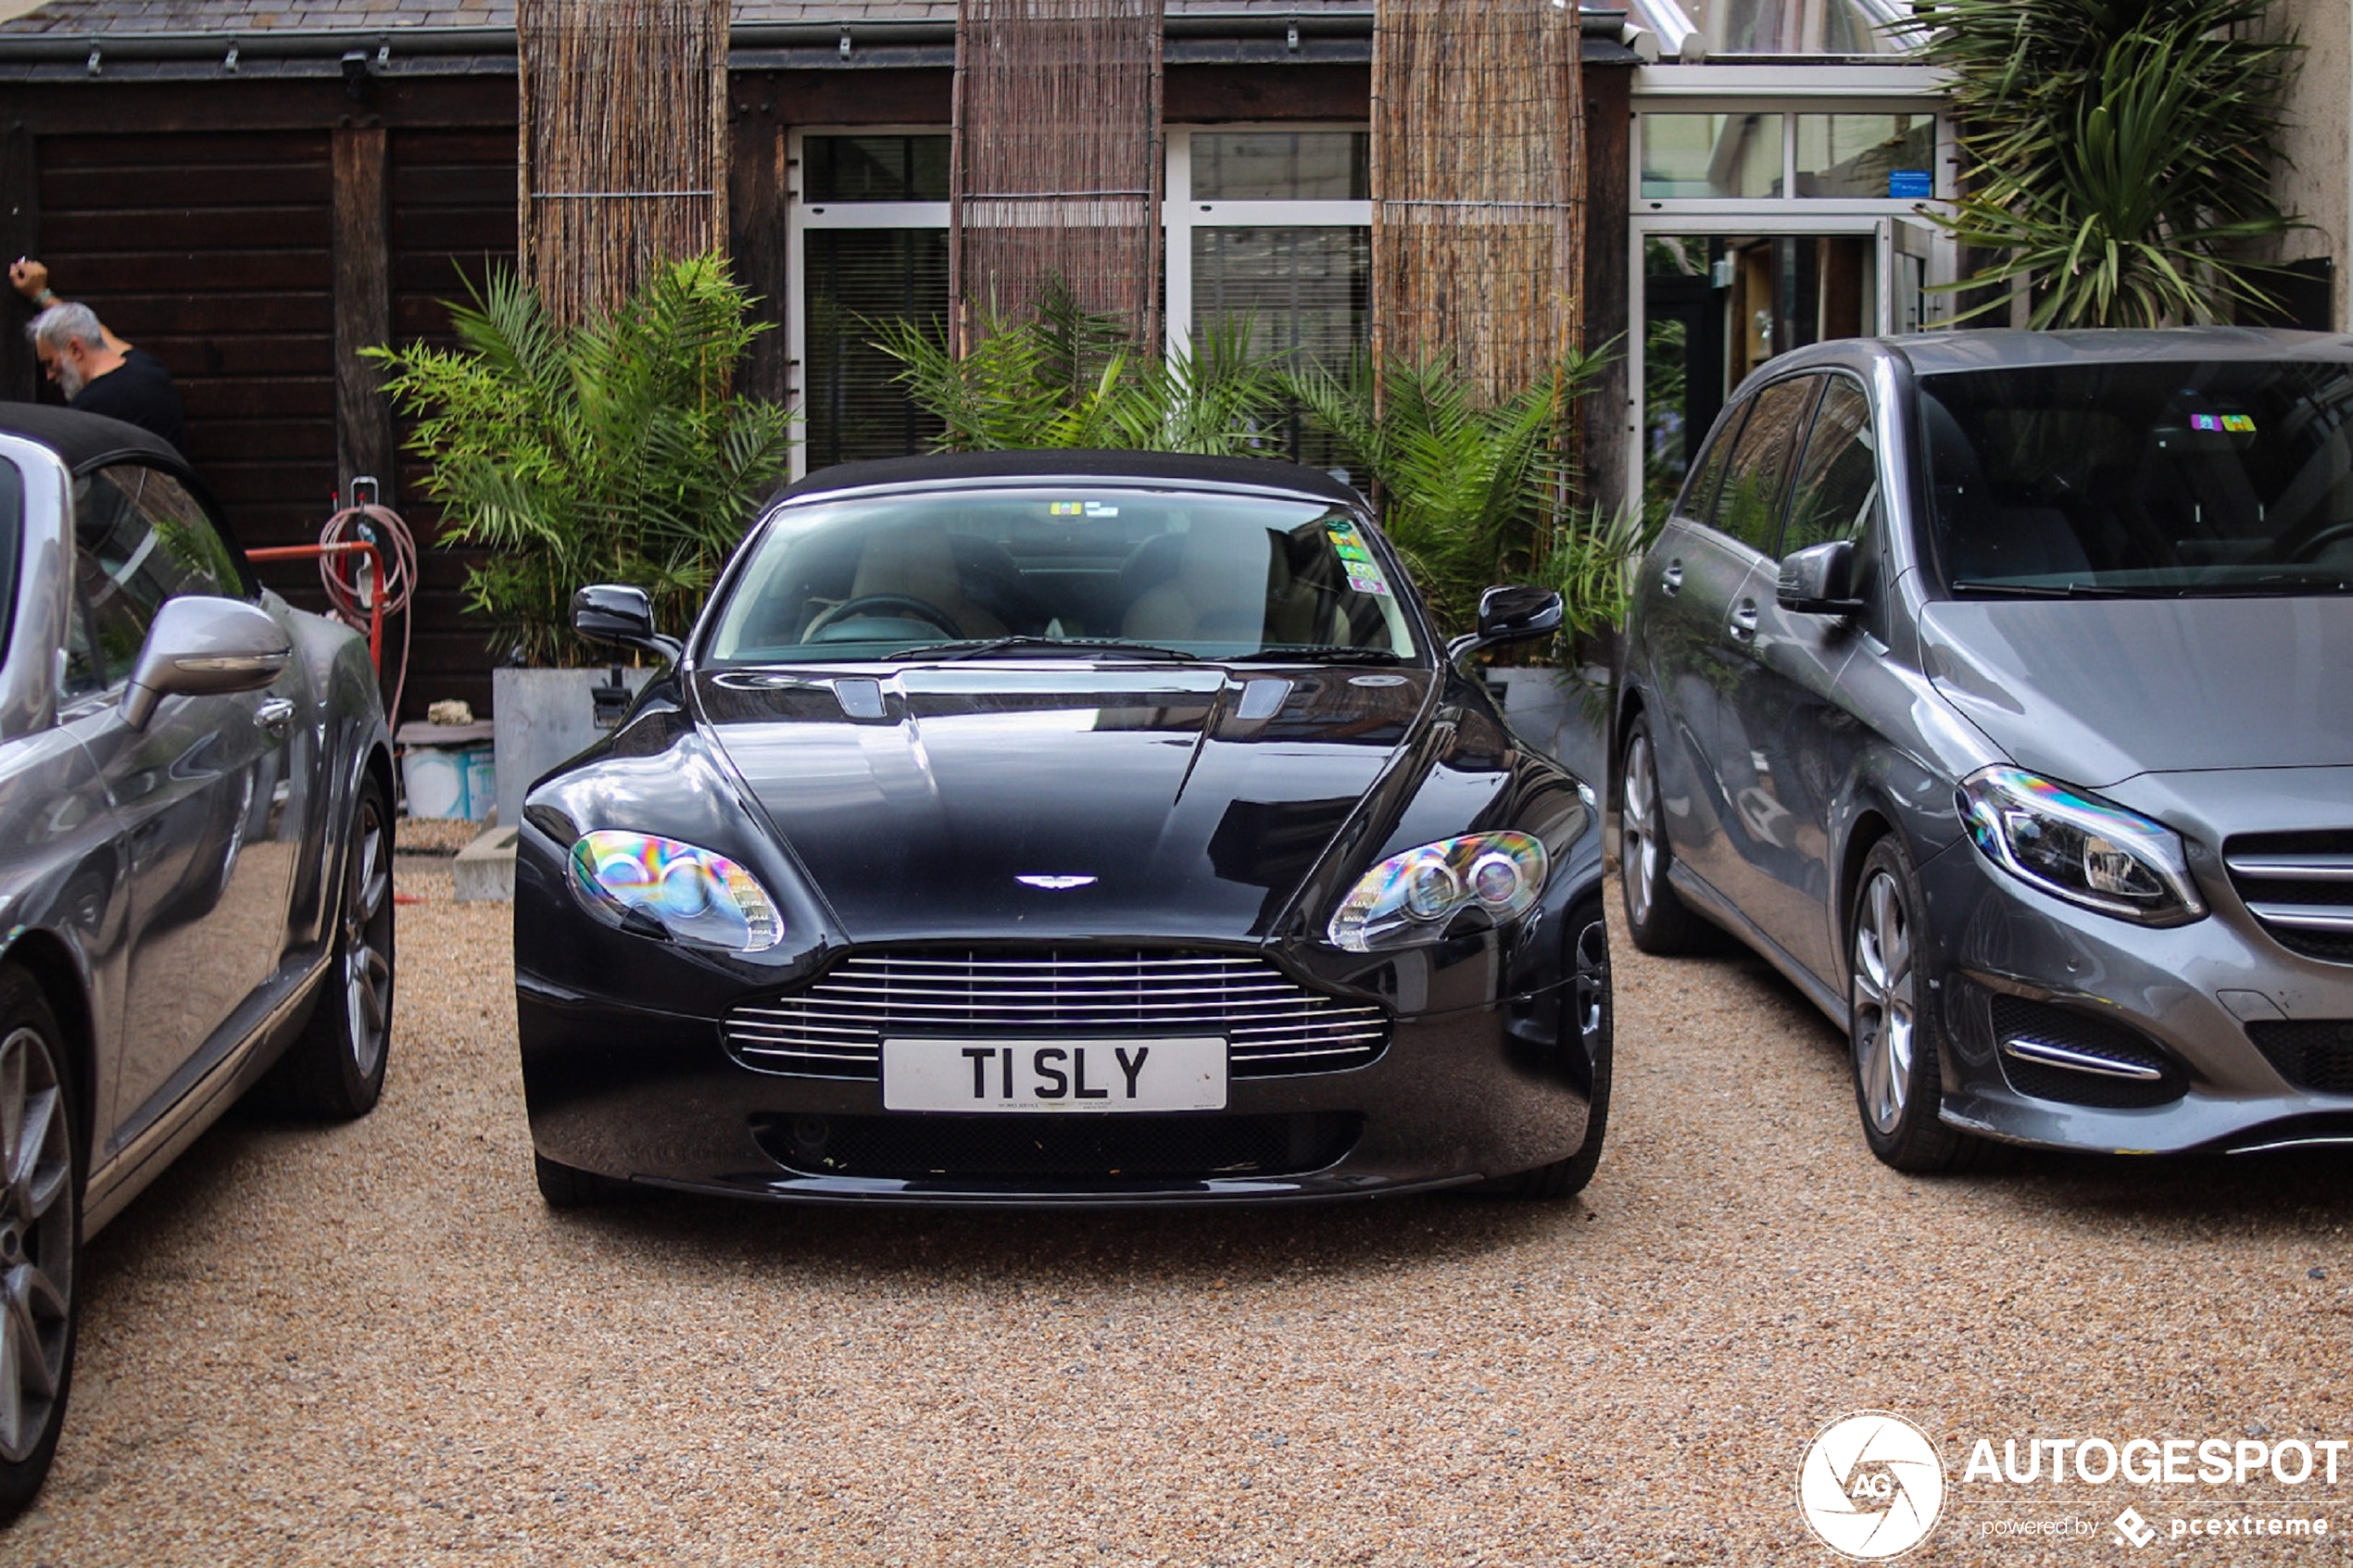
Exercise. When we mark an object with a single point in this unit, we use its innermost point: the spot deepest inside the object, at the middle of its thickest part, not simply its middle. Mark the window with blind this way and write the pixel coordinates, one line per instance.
(1271, 225)
(874, 250)
(1278, 233)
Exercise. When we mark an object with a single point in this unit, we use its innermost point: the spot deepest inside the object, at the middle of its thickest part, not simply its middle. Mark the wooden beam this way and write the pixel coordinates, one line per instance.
(364, 442)
(166, 107)
(19, 236)
(758, 244)
(1608, 200)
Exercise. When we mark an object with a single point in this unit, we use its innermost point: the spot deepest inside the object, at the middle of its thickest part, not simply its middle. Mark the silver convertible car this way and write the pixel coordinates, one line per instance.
(1998, 688)
(195, 849)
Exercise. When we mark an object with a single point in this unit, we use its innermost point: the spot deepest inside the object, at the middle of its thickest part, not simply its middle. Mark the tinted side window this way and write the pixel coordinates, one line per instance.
(11, 543)
(1699, 493)
(1757, 482)
(1840, 473)
(139, 539)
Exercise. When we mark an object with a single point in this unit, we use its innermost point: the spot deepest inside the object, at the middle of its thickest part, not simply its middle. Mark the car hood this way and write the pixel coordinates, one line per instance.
(2095, 691)
(1192, 803)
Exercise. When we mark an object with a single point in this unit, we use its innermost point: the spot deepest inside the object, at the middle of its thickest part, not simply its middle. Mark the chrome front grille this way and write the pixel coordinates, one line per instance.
(835, 1027)
(2299, 886)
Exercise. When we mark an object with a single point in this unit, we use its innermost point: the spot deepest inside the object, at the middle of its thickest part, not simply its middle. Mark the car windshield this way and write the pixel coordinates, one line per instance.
(2150, 478)
(1063, 572)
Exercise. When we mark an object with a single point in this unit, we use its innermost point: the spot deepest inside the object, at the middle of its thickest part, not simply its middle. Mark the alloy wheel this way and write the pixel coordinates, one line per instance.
(1638, 830)
(1884, 1002)
(366, 939)
(36, 1241)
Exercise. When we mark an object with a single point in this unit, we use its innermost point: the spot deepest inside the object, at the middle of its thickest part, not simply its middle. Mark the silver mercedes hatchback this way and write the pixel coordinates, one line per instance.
(1998, 687)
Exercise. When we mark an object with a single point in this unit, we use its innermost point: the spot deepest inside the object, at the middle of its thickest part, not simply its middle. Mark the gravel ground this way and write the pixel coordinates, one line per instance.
(371, 1344)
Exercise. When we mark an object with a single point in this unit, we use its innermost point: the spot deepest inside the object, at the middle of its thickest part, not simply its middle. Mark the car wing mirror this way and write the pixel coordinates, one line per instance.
(1819, 580)
(203, 646)
(622, 614)
(1512, 615)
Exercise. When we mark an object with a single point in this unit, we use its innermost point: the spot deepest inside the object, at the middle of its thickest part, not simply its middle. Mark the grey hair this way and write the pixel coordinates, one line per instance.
(61, 323)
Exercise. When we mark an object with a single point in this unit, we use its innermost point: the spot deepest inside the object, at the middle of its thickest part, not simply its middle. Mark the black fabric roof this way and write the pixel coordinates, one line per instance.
(85, 441)
(1261, 473)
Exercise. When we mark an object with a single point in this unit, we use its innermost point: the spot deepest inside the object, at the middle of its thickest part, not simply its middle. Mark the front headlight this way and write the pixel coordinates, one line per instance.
(2079, 848)
(693, 895)
(1408, 899)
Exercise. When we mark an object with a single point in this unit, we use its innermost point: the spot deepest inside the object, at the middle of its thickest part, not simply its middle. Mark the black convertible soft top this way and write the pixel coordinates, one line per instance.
(87, 440)
(1258, 472)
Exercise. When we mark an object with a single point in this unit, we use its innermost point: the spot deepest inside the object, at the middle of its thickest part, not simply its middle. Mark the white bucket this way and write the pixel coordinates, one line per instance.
(435, 781)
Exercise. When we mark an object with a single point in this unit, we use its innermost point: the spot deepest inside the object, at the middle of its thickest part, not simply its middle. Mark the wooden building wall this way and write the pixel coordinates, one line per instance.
(252, 232)
(251, 236)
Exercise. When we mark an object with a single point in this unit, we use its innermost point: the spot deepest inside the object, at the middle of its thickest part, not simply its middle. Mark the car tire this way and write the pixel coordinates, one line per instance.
(42, 1163)
(1591, 1016)
(562, 1186)
(1894, 1036)
(335, 1071)
(1659, 921)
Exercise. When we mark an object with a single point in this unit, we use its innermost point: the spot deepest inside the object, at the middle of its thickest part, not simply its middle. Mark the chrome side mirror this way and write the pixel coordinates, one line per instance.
(1819, 580)
(204, 646)
(617, 612)
(1511, 615)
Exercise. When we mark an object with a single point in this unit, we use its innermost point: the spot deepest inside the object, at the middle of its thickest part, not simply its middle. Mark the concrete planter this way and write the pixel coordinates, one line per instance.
(1562, 718)
(542, 718)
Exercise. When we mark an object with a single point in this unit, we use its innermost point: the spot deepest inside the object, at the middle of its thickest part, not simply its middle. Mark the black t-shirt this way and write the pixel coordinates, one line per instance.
(139, 392)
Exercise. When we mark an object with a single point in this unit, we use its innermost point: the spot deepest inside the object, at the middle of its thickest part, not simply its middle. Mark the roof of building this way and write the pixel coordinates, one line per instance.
(82, 18)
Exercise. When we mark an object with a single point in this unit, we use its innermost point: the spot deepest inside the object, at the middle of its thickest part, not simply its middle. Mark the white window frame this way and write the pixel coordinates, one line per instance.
(1788, 203)
(1825, 90)
(800, 219)
(1181, 215)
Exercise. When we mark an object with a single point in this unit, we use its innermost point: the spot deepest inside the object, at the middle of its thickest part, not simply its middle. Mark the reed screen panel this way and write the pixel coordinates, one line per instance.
(1477, 178)
(1057, 163)
(623, 155)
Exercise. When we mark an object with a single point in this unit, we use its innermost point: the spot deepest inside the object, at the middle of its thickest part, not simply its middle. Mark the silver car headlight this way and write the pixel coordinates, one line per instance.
(690, 894)
(2079, 848)
(1408, 899)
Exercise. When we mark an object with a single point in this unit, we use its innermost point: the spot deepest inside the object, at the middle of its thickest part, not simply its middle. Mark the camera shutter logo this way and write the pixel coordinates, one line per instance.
(1871, 1485)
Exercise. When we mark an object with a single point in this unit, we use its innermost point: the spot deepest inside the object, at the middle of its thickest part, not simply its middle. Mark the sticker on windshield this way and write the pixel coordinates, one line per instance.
(1367, 579)
(2234, 424)
(1080, 508)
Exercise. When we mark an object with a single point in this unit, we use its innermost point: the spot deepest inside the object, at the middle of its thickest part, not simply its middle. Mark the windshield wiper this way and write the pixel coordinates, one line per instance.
(983, 647)
(1321, 653)
(2072, 591)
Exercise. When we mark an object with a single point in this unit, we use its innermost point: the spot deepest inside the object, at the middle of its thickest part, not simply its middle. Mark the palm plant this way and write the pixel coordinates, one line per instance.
(2122, 153)
(1475, 493)
(609, 452)
(1062, 377)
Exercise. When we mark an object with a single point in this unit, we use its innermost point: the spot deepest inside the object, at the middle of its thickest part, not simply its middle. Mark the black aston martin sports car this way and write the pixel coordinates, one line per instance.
(1040, 828)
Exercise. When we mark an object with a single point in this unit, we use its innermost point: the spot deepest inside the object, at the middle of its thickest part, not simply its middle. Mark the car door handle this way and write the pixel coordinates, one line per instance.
(274, 715)
(1743, 625)
(1670, 581)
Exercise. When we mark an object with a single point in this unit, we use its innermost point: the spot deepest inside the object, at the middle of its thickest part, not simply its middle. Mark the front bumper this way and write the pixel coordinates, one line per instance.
(656, 1098)
(2188, 994)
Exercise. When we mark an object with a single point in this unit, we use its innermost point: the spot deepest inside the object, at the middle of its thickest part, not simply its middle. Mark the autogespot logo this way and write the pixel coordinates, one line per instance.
(1871, 1485)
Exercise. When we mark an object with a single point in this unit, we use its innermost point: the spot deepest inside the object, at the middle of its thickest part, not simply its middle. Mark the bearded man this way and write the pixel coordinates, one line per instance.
(100, 377)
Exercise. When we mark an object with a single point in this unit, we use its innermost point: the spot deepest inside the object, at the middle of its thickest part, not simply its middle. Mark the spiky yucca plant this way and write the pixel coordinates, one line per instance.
(2121, 154)
(612, 452)
(1061, 377)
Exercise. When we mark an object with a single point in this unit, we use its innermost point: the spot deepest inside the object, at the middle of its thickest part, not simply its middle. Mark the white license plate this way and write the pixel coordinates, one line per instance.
(1062, 1075)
